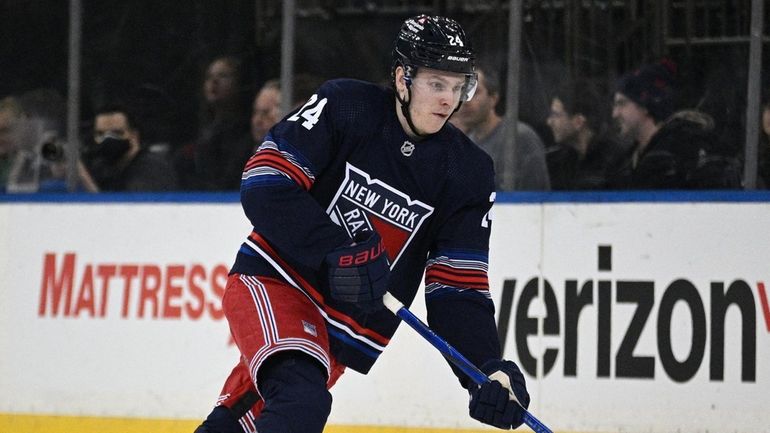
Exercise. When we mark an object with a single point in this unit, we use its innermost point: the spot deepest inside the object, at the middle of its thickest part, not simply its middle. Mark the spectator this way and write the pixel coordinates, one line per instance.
(763, 166)
(479, 120)
(583, 150)
(118, 161)
(10, 114)
(40, 163)
(669, 152)
(214, 160)
(266, 111)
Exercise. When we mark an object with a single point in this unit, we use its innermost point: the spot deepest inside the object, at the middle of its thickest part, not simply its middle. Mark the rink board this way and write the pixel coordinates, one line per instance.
(109, 319)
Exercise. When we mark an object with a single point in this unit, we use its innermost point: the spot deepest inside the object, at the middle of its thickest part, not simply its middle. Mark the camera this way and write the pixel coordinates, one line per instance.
(52, 150)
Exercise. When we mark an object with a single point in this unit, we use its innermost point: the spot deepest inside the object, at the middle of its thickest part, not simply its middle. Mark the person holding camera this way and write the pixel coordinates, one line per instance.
(32, 157)
(10, 112)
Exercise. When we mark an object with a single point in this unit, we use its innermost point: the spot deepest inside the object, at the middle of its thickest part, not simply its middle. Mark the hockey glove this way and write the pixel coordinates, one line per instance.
(359, 273)
(499, 402)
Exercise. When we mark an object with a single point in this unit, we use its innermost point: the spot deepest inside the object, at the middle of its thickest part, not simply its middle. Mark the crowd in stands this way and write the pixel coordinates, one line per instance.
(630, 138)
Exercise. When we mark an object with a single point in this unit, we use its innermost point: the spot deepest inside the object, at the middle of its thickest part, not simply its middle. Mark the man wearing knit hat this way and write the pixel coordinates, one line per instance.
(671, 150)
(643, 100)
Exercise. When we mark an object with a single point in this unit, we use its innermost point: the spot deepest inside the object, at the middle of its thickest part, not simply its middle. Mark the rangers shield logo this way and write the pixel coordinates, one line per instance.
(364, 203)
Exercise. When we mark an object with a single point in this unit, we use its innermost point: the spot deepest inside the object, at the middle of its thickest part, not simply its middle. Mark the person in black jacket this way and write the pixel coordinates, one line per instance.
(118, 161)
(670, 151)
(214, 159)
(583, 149)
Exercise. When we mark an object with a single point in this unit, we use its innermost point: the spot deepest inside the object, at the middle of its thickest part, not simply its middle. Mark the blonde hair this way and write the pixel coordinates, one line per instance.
(11, 105)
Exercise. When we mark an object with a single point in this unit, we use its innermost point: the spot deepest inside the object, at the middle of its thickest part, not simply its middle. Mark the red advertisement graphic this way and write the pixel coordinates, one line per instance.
(70, 288)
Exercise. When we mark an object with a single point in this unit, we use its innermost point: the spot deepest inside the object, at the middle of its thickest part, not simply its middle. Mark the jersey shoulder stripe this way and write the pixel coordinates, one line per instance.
(271, 161)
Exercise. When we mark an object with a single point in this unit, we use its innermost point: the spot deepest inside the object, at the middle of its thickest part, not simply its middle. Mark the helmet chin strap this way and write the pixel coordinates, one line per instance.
(405, 108)
(405, 111)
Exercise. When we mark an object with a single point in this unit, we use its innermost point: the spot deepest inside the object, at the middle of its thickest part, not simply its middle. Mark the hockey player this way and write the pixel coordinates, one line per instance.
(361, 191)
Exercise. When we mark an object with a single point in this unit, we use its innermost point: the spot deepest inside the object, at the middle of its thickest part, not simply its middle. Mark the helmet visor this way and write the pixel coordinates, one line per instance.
(469, 89)
(436, 85)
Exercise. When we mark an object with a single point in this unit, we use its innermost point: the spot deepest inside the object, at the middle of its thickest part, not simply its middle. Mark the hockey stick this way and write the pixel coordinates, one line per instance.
(450, 353)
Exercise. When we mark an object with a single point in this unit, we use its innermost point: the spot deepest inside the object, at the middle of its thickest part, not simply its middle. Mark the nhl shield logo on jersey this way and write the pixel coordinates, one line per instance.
(363, 203)
(407, 148)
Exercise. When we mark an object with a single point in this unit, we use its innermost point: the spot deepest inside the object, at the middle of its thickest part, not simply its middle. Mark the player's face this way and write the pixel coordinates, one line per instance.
(560, 122)
(265, 113)
(435, 95)
(628, 115)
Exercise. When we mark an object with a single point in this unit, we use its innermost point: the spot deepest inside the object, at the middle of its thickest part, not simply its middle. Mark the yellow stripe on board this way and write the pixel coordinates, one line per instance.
(13, 423)
(16, 423)
(380, 429)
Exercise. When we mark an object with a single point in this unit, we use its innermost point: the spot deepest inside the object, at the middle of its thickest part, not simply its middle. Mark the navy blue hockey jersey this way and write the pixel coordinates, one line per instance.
(342, 163)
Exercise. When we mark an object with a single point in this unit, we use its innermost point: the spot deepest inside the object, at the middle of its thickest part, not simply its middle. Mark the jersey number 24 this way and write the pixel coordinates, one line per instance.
(310, 112)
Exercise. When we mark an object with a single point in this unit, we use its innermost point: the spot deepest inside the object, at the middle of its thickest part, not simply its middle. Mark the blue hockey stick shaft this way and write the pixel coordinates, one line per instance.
(450, 353)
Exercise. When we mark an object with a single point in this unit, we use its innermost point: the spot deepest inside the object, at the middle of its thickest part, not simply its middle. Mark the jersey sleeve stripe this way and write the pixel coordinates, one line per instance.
(472, 281)
(268, 158)
(286, 162)
(265, 176)
(450, 272)
(275, 161)
(457, 269)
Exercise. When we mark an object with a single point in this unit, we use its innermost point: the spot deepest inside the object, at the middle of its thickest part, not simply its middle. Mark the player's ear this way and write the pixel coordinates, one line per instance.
(495, 97)
(400, 79)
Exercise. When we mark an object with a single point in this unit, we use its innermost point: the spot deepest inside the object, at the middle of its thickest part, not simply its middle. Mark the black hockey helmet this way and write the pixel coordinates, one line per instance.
(438, 43)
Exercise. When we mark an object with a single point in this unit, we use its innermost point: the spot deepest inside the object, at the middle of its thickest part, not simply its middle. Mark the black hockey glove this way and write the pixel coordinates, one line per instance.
(359, 273)
(497, 402)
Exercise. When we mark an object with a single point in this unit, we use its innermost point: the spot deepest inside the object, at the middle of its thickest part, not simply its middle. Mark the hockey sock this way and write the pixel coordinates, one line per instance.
(293, 387)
